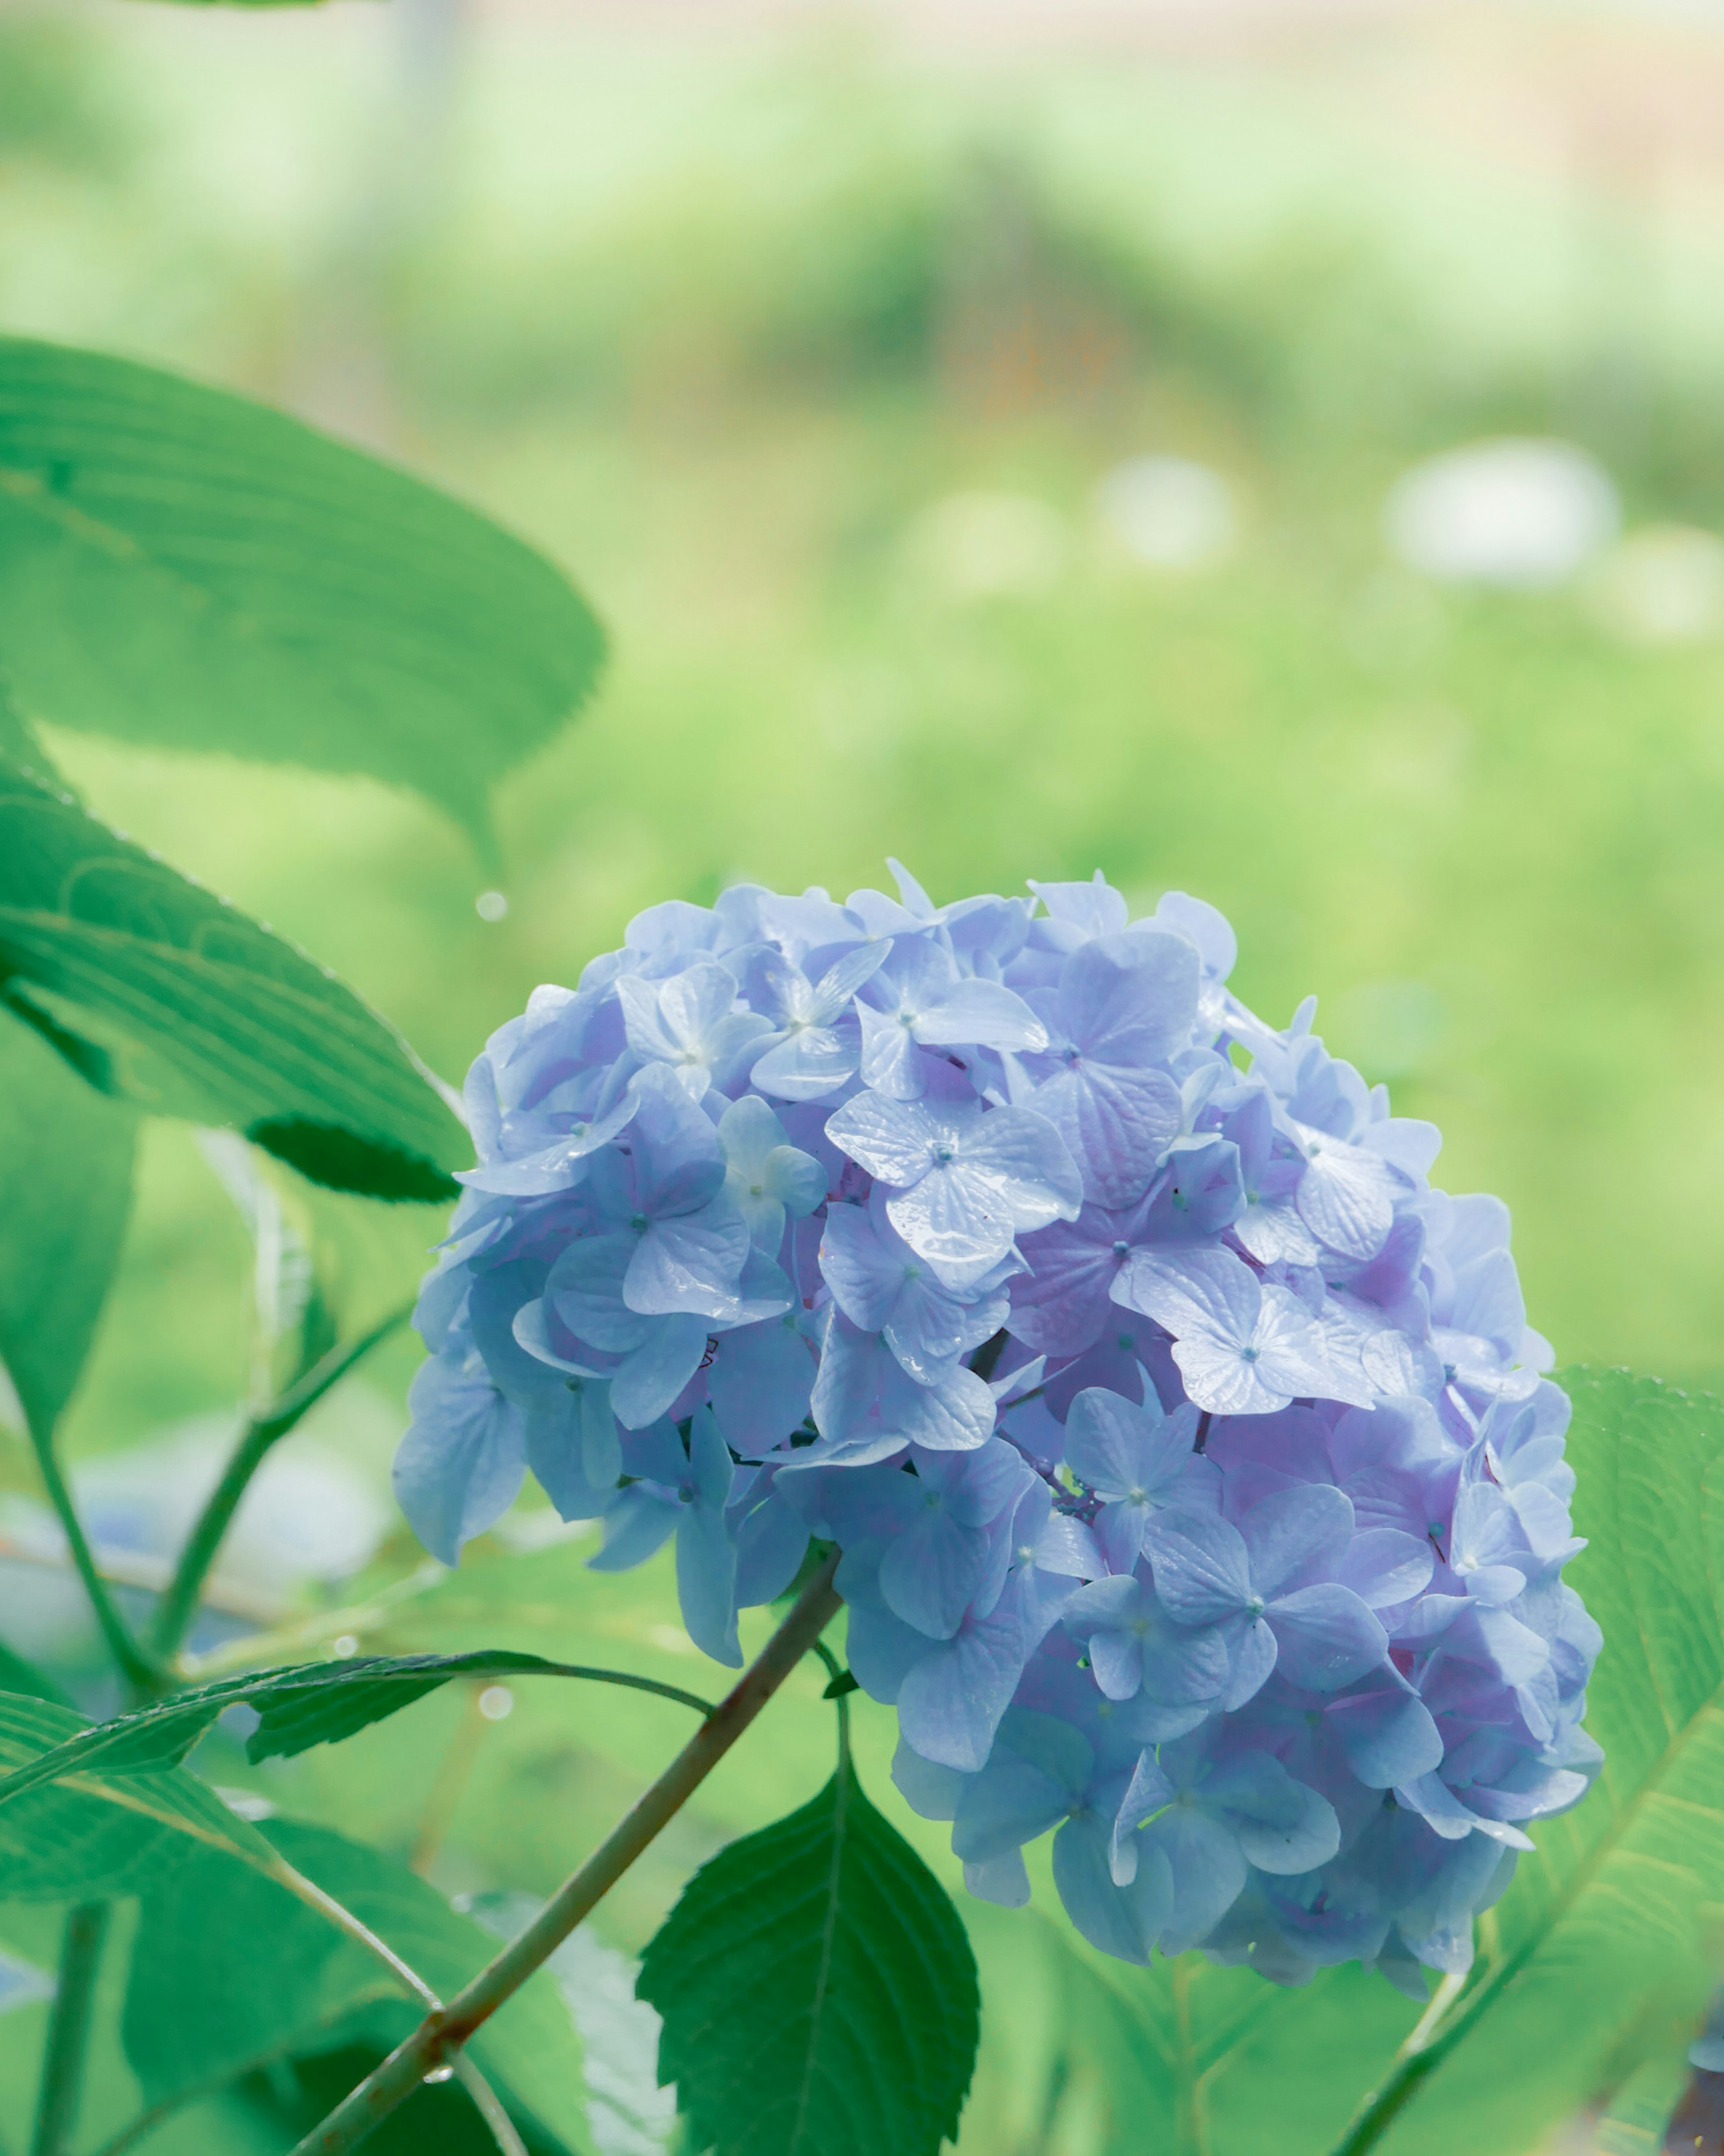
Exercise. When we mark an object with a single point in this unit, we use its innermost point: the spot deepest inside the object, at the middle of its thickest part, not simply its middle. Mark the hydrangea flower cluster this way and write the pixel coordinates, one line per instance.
(1198, 1494)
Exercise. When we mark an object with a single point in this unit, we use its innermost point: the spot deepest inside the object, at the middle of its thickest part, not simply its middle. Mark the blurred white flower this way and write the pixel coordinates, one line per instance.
(1170, 513)
(1519, 514)
(985, 545)
(1663, 585)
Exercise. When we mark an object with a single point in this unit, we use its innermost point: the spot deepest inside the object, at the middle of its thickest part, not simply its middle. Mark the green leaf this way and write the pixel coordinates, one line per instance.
(24, 1678)
(196, 1011)
(228, 1970)
(65, 1167)
(263, 592)
(312, 1703)
(817, 1991)
(93, 1836)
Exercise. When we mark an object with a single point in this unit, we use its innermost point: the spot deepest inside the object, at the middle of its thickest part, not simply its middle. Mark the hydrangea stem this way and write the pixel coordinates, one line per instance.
(179, 1605)
(1431, 2039)
(69, 2028)
(440, 2035)
(137, 1669)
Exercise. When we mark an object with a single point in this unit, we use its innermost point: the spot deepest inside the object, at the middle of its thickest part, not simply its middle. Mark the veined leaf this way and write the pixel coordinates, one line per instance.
(65, 1168)
(184, 568)
(204, 2003)
(314, 1703)
(167, 995)
(817, 1991)
(92, 1836)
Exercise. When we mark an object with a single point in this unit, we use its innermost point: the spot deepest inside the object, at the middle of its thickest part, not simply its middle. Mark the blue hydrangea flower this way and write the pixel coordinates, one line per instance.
(1200, 1498)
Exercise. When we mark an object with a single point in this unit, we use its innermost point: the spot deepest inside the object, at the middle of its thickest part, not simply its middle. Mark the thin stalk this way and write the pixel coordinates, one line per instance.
(449, 1785)
(137, 1668)
(1432, 2036)
(69, 2028)
(489, 2106)
(439, 2036)
(178, 1606)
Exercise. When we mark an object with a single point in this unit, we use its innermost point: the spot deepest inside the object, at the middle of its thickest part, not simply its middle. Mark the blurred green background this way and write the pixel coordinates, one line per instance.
(813, 341)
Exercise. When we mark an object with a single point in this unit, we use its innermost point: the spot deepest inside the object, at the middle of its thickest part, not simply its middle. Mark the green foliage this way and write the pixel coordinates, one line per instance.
(315, 1703)
(263, 592)
(95, 1836)
(65, 1168)
(229, 1971)
(19, 1676)
(817, 1991)
(151, 985)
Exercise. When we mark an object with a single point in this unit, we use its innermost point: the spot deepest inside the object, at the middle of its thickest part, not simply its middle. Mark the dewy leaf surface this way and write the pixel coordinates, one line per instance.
(817, 1991)
(203, 2004)
(65, 1168)
(203, 1013)
(184, 568)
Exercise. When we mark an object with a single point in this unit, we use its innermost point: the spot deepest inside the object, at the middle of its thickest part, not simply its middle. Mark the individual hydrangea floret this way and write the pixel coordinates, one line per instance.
(1199, 1495)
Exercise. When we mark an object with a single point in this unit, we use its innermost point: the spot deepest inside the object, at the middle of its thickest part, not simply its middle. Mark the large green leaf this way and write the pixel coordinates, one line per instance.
(817, 1991)
(95, 1836)
(228, 1970)
(310, 1703)
(65, 1168)
(151, 985)
(184, 568)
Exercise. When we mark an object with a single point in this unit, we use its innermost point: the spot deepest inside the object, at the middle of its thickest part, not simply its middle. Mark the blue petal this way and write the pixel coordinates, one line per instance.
(461, 1463)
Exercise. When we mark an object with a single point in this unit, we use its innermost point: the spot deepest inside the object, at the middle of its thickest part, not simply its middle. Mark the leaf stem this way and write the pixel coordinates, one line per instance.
(178, 1606)
(69, 2028)
(138, 1668)
(489, 2106)
(439, 2037)
(1425, 2046)
(839, 1694)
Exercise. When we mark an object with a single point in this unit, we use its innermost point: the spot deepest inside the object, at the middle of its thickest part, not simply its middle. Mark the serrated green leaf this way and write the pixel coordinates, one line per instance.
(204, 1014)
(229, 1971)
(65, 1168)
(263, 591)
(93, 1836)
(817, 1991)
(311, 1703)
